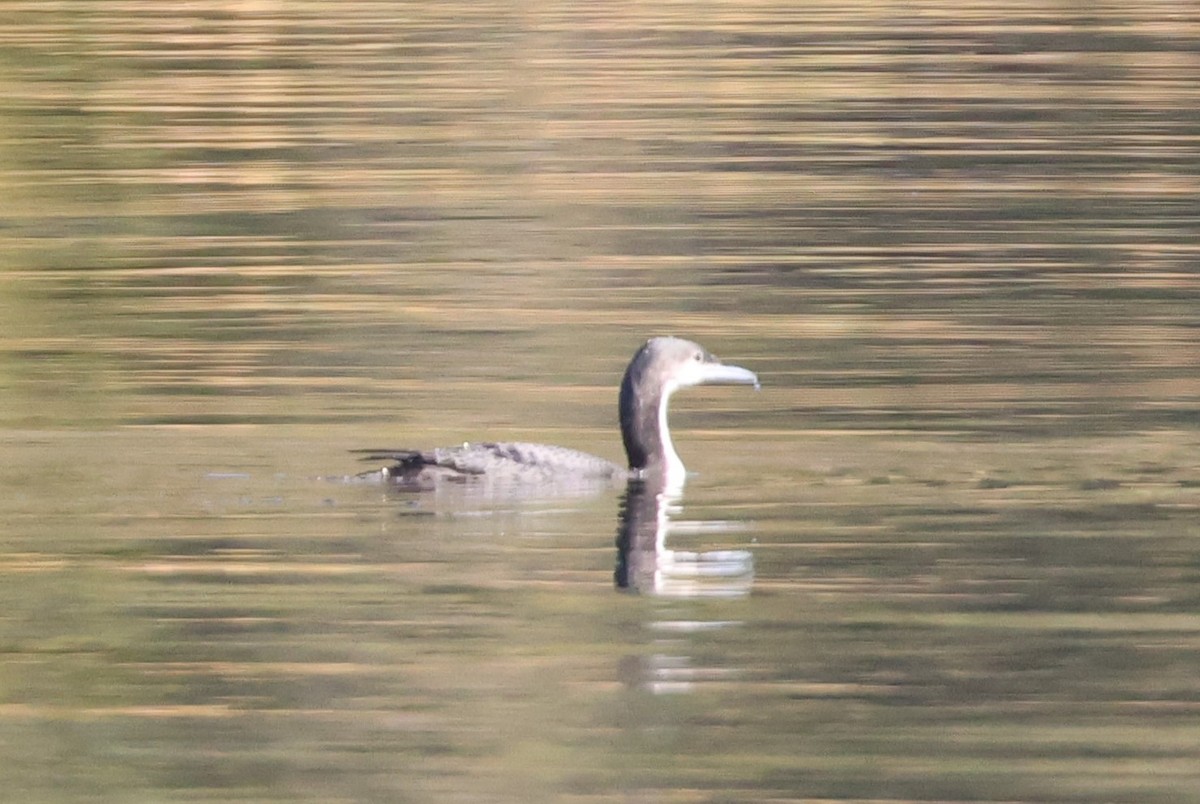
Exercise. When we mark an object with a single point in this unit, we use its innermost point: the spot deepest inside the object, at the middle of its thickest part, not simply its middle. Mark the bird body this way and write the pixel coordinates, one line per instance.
(659, 368)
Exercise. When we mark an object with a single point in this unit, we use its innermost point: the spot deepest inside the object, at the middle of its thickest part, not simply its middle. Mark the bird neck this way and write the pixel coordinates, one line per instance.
(645, 431)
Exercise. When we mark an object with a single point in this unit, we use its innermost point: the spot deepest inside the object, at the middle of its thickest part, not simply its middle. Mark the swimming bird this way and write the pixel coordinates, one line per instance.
(660, 367)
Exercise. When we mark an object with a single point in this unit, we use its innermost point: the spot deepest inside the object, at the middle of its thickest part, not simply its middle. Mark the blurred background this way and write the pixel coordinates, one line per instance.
(957, 241)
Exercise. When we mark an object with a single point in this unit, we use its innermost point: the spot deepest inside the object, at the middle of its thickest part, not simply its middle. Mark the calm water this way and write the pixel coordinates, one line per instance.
(950, 552)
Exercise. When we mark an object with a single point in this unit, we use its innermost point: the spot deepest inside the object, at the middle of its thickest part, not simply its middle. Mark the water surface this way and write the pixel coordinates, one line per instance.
(957, 242)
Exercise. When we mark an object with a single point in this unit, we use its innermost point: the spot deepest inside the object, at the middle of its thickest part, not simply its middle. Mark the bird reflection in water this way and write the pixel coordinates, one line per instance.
(646, 564)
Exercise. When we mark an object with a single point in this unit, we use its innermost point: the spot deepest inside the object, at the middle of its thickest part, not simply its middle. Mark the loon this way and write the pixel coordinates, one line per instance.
(660, 367)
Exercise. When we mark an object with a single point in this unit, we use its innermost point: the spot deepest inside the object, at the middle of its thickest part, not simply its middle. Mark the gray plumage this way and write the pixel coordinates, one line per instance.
(659, 368)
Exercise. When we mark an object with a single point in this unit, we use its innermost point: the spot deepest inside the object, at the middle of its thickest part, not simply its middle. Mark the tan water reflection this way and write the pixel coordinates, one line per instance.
(957, 242)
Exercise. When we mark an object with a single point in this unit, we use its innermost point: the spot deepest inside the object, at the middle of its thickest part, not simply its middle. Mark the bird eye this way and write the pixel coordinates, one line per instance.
(699, 356)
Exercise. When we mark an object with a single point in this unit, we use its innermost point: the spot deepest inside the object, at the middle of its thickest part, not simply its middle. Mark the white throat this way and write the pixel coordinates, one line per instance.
(673, 467)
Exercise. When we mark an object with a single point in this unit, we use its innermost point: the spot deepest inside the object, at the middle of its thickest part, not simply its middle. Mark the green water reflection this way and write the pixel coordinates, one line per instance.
(956, 242)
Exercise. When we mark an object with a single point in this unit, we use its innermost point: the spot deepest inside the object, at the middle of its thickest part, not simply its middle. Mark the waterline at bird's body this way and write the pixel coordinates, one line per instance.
(659, 368)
